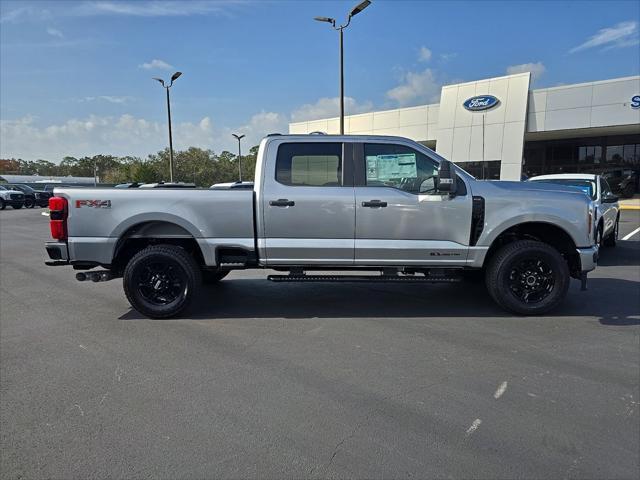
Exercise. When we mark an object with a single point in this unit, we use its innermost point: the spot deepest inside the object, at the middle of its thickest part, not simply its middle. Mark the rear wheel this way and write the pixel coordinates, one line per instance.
(2, 204)
(527, 277)
(612, 238)
(212, 276)
(161, 281)
(29, 203)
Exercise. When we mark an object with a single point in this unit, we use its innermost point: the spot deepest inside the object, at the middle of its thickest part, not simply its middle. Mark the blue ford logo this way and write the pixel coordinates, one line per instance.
(481, 102)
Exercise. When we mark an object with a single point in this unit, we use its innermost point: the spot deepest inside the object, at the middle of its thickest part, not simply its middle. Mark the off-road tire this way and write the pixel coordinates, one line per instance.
(500, 268)
(612, 238)
(210, 277)
(174, 257)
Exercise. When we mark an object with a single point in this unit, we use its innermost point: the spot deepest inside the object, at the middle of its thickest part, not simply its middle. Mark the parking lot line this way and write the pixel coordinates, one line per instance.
(627, 237)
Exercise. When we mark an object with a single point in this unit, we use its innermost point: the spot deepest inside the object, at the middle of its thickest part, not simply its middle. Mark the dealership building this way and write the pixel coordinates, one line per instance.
(499, 128)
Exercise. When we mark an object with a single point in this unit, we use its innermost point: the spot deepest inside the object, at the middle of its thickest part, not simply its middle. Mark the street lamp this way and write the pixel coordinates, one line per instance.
(174, 77)
(239, 137)
(354, 11)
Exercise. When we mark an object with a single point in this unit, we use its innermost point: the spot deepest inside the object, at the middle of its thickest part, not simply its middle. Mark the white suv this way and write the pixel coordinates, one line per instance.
(607, 215)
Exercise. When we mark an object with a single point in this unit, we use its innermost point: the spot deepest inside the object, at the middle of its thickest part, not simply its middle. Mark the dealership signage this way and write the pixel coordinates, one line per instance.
(480, 103)
(635, 101)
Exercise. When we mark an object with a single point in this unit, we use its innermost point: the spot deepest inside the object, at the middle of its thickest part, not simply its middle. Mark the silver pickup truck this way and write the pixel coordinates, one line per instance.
(364, 208)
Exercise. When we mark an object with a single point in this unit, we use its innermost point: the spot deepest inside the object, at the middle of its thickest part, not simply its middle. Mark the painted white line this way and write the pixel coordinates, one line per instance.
(83, 347)
(501, 389)
(46, 214)
(627, 237)
(474, 426)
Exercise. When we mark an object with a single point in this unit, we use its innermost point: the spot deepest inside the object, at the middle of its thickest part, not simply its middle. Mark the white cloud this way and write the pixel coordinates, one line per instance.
(155, 8)
(624, 34)
(54, 32)
(329, 107)
(424, 54)
(416, 87)
(125, 135)
(448, 56)
(156, 64)
(108, 98)
(537, 69)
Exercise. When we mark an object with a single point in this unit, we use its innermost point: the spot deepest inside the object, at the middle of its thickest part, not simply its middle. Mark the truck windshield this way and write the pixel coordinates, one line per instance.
(586, 186)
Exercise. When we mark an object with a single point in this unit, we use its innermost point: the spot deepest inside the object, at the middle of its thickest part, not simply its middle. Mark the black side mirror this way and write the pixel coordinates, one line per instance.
(447, 179)
(610, 199)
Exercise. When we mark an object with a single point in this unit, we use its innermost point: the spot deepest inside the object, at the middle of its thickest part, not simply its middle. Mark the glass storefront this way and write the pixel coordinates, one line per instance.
(489, 170)
(615, 157)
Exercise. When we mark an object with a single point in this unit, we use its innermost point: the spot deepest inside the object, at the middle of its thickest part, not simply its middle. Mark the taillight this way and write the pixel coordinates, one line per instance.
(58, 217)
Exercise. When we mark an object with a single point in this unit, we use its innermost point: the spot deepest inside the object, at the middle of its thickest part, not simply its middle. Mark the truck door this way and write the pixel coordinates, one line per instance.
(308, 204)
(400, 218)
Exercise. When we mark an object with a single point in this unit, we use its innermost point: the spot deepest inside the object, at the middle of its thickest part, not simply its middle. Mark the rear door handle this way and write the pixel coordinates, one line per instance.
(282, 202)
(374, 204)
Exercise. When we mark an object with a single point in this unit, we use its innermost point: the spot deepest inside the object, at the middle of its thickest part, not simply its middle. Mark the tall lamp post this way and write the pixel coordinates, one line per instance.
(354, 11)
(239, 137)
(174, 77)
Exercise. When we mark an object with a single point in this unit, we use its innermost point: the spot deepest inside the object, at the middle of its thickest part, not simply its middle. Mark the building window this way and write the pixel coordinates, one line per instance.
(309, 164)
(614, 154)
(489, 170)
(590, 154)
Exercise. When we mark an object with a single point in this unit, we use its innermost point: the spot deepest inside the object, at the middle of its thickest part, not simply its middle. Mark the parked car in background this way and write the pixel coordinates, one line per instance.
(232, 186)
(168, 185)
(625, 181)
(127, 185)
(9, 196)
(607, 213)
(33, 197)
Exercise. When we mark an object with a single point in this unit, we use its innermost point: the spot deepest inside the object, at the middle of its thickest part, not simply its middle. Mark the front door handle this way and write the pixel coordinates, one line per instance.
(374, 204)
(282, 202)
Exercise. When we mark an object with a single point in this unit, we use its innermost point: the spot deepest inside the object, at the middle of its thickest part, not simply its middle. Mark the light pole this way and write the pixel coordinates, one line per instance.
(239, 137)
(174, 77)
(354, 11)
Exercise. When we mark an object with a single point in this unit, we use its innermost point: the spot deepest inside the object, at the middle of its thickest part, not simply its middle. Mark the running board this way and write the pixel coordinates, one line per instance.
(363, 278)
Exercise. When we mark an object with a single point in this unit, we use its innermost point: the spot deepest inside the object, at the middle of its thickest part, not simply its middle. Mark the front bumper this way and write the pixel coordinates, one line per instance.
(588, 258)
(58, 253)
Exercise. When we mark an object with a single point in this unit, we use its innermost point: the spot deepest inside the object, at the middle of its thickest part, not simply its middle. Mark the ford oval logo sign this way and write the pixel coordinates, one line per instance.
(481, 102)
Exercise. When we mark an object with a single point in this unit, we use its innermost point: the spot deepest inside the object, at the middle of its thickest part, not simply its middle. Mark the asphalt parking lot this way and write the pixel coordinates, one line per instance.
(314, 380)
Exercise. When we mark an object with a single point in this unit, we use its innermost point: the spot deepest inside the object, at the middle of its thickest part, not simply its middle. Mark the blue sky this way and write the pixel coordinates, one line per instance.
(75, 77)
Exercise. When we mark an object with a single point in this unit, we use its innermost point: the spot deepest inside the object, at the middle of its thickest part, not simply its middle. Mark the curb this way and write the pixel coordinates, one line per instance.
(629, 207)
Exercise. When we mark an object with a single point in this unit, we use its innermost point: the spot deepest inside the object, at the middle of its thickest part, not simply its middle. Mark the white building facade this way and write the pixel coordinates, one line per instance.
(500, 129)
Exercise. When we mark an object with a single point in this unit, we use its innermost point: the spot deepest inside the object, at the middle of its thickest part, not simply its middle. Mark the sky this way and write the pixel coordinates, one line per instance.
(76, 76)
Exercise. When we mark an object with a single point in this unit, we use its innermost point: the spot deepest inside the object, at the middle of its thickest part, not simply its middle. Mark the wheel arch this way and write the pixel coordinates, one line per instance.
(154, 232)
(545, 232)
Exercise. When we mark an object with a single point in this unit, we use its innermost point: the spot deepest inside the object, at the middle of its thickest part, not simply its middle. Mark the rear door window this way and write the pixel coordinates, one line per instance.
(309, 164)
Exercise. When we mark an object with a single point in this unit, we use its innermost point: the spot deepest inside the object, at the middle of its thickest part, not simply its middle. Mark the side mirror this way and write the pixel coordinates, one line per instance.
(447, 179)
(610, 199)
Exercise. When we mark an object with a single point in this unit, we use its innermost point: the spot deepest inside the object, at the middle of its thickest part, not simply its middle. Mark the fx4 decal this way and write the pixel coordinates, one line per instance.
(93, 203)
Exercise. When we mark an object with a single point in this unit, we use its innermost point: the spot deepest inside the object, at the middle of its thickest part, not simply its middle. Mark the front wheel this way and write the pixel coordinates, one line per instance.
(161, 281)
(29, 203)
(2, 204)
(612, 238)
(527, 277)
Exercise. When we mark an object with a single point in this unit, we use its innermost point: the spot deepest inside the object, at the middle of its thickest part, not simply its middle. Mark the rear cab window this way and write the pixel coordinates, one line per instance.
(310, 164)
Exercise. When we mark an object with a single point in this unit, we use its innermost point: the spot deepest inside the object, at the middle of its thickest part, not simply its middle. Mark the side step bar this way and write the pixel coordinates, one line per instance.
(364, 278)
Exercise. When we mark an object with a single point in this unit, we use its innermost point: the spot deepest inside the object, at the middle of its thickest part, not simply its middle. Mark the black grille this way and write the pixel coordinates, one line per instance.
(17, 196)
